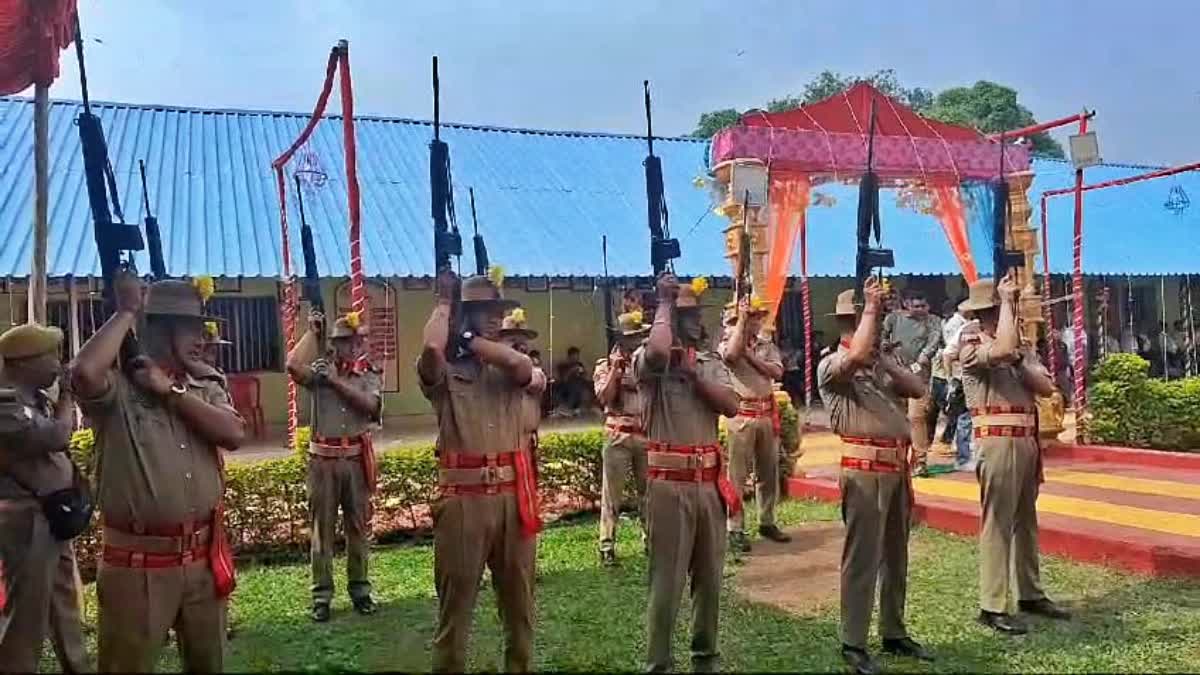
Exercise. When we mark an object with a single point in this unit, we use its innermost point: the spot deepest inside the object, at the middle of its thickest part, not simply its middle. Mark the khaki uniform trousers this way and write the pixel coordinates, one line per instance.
(918, 417)
(686, 526)
(138, 606)
(43, 593)
(875, 510)
(1008, 534)
(622, 454)
(470, 531)
(334, 482)
(753, 445)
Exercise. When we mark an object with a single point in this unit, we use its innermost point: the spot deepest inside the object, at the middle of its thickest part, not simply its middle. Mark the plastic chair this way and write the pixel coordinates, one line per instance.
(246, 392)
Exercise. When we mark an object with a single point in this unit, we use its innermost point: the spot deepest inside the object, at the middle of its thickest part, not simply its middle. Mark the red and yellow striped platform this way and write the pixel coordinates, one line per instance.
(1134, 509)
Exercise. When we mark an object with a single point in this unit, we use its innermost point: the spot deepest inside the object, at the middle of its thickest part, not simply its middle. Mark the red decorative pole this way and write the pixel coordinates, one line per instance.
(806, 304)
(1080, 360)
(1047, 308)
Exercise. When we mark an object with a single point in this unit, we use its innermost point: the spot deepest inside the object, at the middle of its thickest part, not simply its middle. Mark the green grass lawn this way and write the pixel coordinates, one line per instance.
(591, 618)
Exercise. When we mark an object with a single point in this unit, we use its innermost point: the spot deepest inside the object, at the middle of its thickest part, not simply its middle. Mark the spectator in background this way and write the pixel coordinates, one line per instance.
(572, 384)
(793, 372)
(914, 335)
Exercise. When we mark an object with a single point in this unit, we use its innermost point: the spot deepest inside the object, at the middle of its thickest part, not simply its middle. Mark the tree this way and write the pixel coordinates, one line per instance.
(990, 108)
(987, 106)
(712, 122)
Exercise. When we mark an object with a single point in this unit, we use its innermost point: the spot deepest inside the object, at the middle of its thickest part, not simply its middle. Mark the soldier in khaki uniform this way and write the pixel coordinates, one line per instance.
(753, 435)
(864, 392)
(685, 388)
(515, 334)
(346, 407)
(165, 561)
(625, 440)
(39, 571)
(487, 513)
(1000, 379)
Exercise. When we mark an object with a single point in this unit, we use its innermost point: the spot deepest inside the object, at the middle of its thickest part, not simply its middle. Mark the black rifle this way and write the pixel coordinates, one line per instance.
(610, 331)
(481, 256)
(312, 274)
(447, 241)
(743, 280)
(158, 266)
(113, 237)
(869, 258)
(663, 249)
(1002, 257)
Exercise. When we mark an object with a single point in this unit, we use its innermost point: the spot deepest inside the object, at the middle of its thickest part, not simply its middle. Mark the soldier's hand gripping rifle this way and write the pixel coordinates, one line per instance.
(869, 258)
(116, 240)
(447, 241)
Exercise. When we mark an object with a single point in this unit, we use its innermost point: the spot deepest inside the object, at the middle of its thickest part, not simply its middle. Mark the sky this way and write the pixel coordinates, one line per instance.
(579, 64)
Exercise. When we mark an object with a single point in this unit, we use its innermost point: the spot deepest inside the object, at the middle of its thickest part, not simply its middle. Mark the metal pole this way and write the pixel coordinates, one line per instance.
(1162, 340)
(41, 200)
(1080, 361)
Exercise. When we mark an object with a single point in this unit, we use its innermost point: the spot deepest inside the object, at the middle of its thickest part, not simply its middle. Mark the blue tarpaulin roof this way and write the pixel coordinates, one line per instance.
(545, 199)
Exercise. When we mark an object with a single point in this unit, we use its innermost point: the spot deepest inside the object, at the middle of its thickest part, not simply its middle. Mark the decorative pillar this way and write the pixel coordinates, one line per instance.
(1023, 237)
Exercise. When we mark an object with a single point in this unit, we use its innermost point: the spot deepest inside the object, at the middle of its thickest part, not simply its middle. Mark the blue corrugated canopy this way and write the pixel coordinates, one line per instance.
(545, 199)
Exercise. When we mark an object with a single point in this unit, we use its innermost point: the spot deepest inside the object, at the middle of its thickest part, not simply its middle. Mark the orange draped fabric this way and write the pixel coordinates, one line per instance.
(32, 32)
(789, 204)
(948, 207)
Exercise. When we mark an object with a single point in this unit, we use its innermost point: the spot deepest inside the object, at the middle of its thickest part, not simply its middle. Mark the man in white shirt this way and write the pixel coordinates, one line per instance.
(956, 407)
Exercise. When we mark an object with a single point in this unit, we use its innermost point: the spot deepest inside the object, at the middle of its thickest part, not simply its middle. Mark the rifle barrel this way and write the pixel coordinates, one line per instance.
(649, 118)
(145, 190)
(437, 117)
(474, 220)
(83, 88)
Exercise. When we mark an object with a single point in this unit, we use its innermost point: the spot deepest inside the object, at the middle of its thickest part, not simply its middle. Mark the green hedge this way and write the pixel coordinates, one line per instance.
(266, 504)
(1129, 408)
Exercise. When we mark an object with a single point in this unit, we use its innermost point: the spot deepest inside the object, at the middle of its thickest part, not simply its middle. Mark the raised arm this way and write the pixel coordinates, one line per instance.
(658, 344)
(734, 348)
(1007, 340)
(516, 365)
(905, 382)
(89, 372)
(217, 424)
(607, 377)
(1034, 374)
(431, 367)
(769, 367)
(716, 392)
(29, 436)
(862, 345)
(365, 401)
(300, 359)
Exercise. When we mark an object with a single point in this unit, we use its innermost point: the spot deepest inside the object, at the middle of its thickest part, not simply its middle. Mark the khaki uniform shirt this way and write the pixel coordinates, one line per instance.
(152, 469)
(478, 409)
(628, 401)
(864, 406)
(988, 381)
(747, 381)
(33, 445)
(672, 411)
(336, 418)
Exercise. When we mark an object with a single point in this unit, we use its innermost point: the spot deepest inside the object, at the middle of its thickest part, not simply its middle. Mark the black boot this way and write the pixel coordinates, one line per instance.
(859, 661)
(773, 533)
(320, 612)
(1002, 623)
(907, 647)
(365, 605)
(739, 543)
(1044, 607)
(608, 558)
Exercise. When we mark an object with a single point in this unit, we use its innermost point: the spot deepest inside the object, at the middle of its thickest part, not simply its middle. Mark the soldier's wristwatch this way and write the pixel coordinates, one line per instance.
(467, 336)
(178, 390)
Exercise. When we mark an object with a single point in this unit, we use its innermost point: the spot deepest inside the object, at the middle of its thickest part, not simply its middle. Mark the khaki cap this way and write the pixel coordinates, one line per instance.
(845, 305)
(982, 295)
(481, 290)
(176, 298)
(29, 340)
(514, 324)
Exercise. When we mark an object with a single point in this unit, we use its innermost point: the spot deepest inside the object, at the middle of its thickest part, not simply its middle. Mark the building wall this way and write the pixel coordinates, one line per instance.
(567, 317)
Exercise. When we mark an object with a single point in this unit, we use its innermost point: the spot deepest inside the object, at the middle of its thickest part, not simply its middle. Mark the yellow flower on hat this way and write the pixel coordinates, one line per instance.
(518, 316)
(354, 320)
(636, 317)
(205, 286)
(699, 285)
(495, 274)
(210, 329)
(758, 304)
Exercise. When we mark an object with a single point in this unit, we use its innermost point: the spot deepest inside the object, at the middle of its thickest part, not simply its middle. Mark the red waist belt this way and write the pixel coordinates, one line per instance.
(1002, 421)
(755, 408)
(365, 448)
(493, 478)
(898, 448)
(190, 549)
(698, 455)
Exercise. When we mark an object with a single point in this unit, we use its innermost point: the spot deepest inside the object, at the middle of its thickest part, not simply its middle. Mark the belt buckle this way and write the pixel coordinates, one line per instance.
(186, 557)
(490, 475)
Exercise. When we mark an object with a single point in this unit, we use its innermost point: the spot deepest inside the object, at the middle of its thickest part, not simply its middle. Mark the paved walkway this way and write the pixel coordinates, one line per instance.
(1133, 509)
